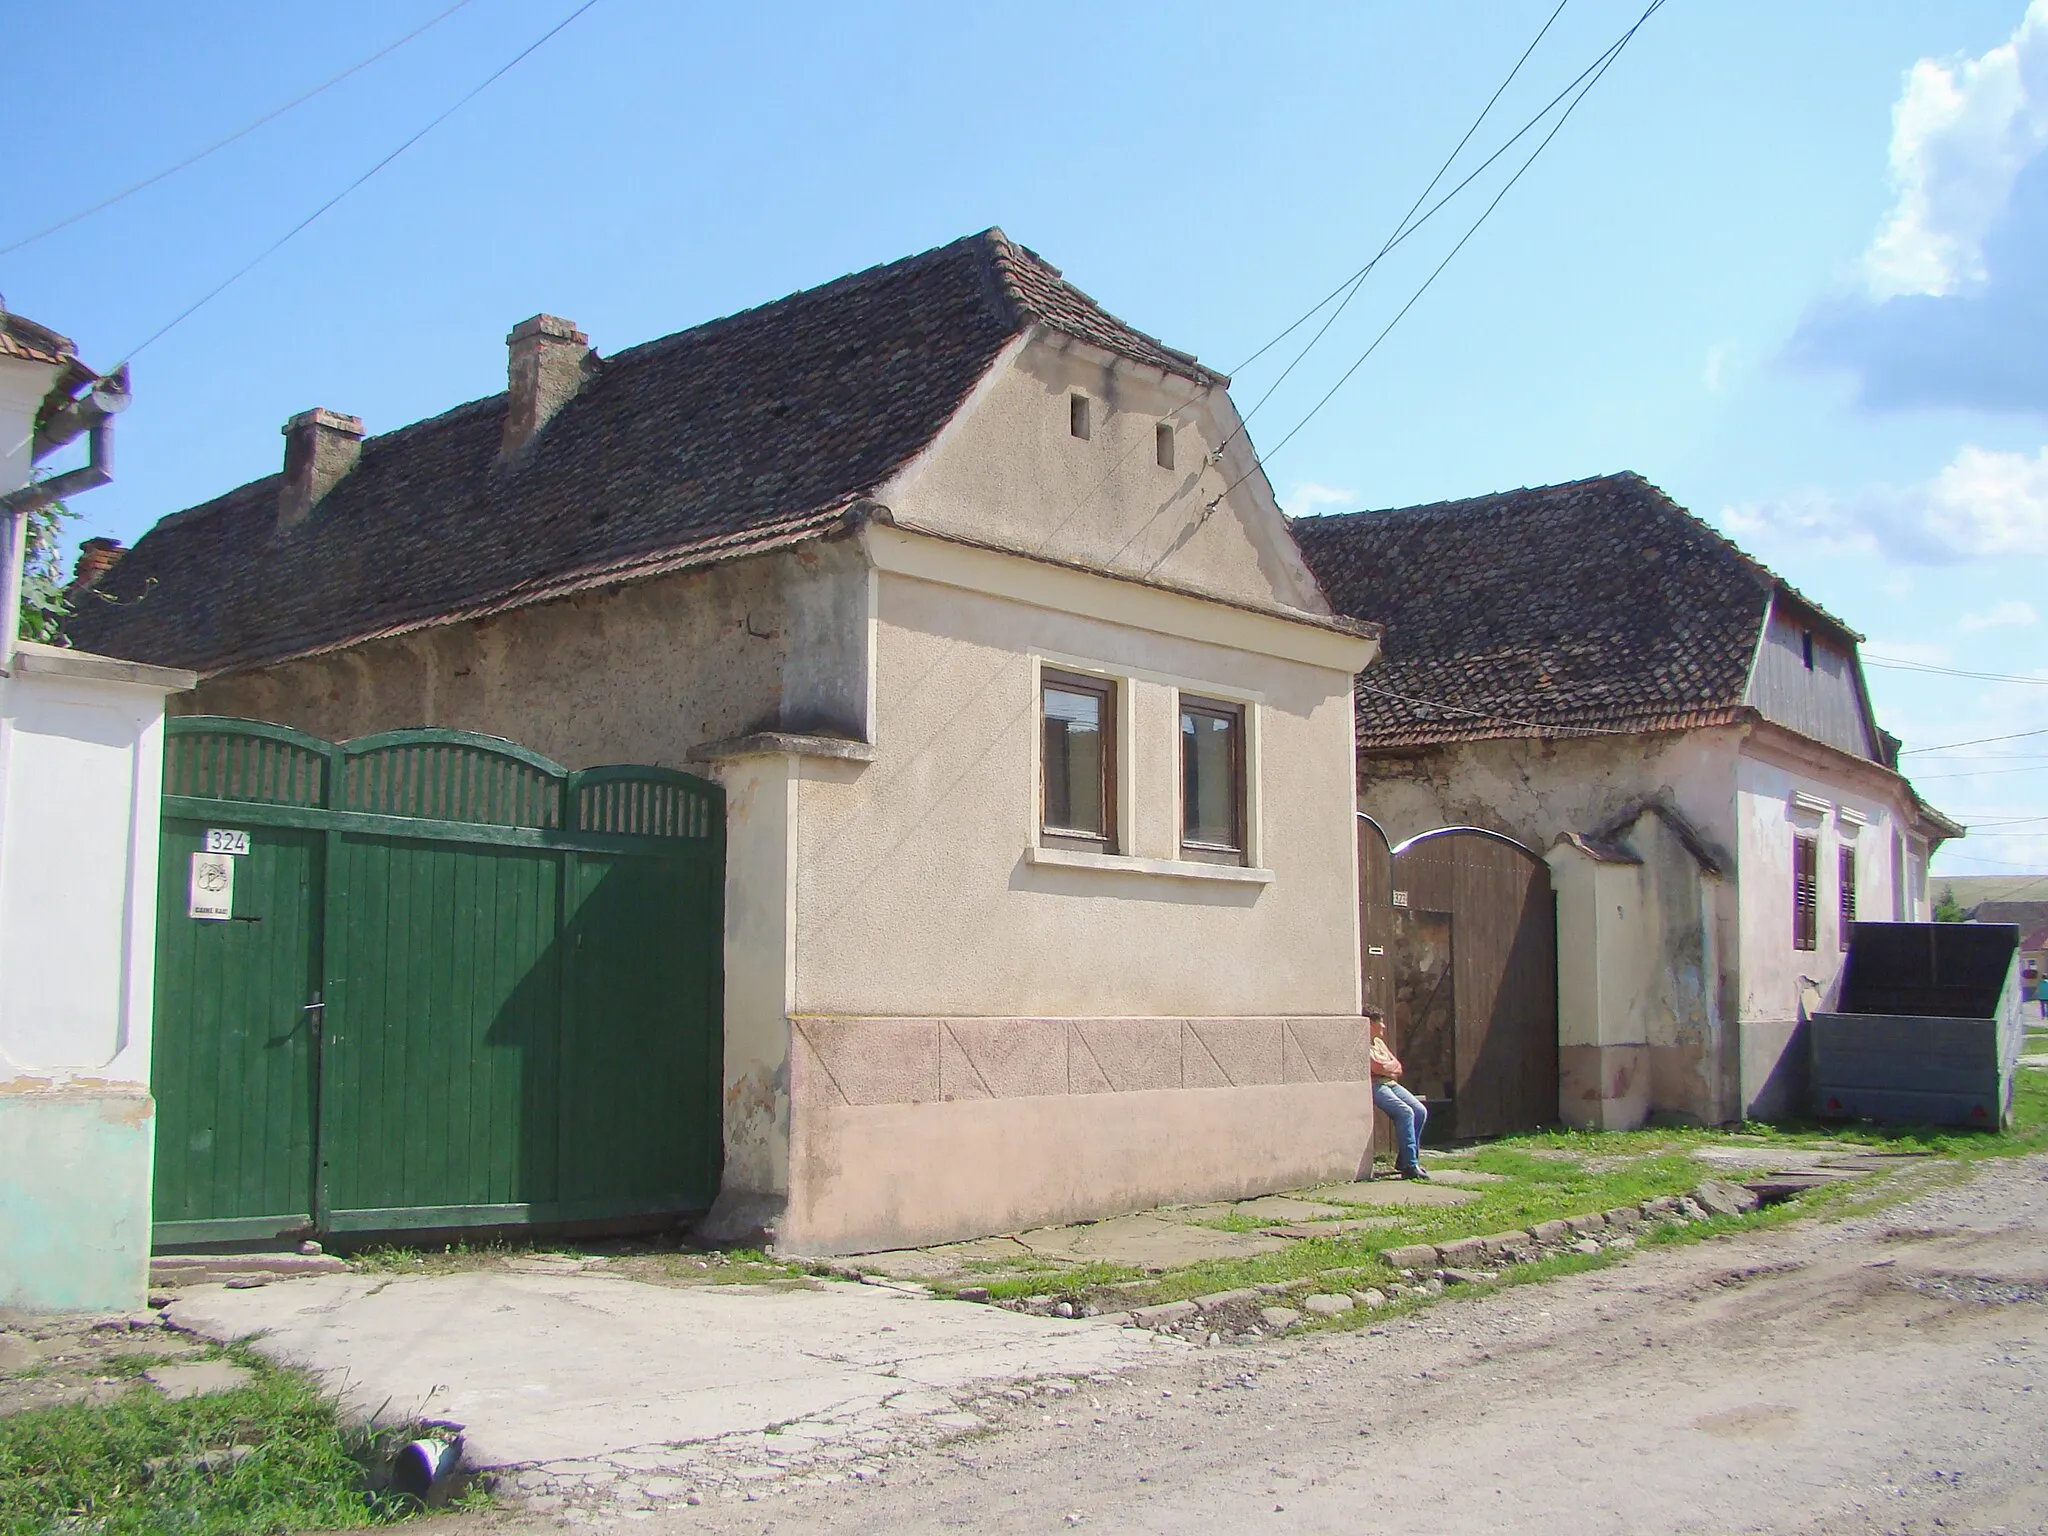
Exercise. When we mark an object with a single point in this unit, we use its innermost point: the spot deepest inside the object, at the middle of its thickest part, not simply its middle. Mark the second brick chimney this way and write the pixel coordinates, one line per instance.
(320, 446)
(96, 557)
(548, 361)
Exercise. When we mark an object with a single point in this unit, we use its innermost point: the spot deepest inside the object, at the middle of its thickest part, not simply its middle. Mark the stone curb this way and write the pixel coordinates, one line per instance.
(1429, 1267)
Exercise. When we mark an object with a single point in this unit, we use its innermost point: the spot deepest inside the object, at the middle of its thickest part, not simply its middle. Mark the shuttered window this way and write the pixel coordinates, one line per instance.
(1805, 891)
(1846, 868)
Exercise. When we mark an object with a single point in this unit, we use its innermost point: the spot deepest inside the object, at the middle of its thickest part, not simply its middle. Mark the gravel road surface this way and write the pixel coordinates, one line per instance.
(1884, 1374)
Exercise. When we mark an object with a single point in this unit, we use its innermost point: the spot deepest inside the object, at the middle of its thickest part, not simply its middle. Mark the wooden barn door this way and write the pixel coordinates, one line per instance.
(1375, 919)
(1476, 981)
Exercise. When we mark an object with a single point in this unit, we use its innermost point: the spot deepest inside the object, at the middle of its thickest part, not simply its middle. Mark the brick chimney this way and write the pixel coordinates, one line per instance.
(96, 557)
(548, 361)
(320, 446)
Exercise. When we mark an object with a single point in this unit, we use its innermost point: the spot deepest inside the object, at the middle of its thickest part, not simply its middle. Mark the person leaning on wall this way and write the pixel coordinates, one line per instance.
(1408, 1113)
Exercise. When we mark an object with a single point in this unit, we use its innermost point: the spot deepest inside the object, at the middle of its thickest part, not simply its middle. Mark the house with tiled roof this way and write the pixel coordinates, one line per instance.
(1594, 673)
(1035, 734)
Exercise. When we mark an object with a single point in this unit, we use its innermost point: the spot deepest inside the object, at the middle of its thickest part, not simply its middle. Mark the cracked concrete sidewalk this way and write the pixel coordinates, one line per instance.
(588, 1386)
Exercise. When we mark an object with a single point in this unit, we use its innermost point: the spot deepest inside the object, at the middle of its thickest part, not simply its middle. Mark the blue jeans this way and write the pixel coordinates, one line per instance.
(1409, 1115)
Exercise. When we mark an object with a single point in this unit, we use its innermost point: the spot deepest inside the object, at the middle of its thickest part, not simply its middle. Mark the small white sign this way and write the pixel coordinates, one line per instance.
(1400, 898)
(213, 887)
(226, 840)
(1375, 949)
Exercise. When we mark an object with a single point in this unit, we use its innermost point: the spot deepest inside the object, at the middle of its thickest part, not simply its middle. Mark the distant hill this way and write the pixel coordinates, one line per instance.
(1972, 890)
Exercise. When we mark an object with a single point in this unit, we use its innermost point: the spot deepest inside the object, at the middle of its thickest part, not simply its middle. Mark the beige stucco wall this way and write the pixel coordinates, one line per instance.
(1536, 791)
(916, 894)
(984, 1041)
(635, 674)
(1009, 472)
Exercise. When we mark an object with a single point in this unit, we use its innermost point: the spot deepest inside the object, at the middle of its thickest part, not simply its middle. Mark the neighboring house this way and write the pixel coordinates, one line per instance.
(1034, 731)
(1594, 673)
(81, 747)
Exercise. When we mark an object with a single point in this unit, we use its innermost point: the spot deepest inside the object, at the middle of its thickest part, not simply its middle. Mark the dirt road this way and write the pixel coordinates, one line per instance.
(1887, 1374)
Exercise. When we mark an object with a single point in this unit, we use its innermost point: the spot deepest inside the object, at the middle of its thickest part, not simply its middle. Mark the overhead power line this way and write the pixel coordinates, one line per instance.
(240, 133)
(1924, 666)
(1591, 78)
(1975, 741)
(1408, 225)
(1977, 773)
(270, 250)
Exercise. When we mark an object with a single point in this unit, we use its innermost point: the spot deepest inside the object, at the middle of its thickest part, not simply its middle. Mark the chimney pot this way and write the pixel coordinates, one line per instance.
(320, 446)
(548, 360)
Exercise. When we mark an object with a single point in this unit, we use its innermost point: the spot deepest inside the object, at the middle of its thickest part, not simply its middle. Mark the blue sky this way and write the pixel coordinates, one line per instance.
(1787, 261)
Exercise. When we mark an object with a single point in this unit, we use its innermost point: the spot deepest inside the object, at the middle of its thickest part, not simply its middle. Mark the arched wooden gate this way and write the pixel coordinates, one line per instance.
(430, 980)
(1468, 929)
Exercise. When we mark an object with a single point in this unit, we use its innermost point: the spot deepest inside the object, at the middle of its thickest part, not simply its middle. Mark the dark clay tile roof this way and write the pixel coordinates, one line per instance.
(22, 338)
(1597, 605)
(731, 438)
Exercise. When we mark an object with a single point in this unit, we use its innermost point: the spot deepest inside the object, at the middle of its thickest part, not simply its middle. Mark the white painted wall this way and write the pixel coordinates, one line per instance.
(1774, 973)
(81, 760)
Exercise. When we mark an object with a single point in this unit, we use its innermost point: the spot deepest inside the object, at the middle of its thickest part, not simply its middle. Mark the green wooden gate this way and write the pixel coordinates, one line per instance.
(448, 984)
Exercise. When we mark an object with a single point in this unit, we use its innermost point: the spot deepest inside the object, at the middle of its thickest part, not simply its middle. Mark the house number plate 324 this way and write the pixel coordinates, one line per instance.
(226, 840)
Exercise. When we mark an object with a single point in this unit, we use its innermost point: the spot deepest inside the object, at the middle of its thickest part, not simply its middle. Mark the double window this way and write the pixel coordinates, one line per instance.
(1079, 766)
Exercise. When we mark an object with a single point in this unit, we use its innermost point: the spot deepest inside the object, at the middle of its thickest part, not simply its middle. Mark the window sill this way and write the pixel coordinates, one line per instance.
(1173, 869)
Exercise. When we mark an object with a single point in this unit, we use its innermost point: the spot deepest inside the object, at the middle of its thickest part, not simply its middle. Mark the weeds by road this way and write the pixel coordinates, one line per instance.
(270, 1456)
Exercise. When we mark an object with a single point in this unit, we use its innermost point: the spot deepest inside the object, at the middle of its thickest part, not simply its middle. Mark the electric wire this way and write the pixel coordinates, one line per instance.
(243, 271)
(1597, 74)
(1408, 225)
(1980, 773)
(1975, 741)
(1929, 667)
(240, 133)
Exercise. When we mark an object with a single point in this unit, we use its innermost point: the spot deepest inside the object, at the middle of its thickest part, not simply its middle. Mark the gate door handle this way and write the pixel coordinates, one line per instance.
(318, 1010)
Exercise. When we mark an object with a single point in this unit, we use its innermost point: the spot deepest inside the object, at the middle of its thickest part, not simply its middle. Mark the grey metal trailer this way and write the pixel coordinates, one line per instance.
(1927, 1030)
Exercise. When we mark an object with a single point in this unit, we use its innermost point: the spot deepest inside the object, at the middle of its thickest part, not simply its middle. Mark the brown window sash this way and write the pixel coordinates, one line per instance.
(1805, 891)
(1845, 869)
(1207, 851)
(1104, 692)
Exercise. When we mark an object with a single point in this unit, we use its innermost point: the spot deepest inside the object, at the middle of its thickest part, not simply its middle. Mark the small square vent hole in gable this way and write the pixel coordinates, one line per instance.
(1077, 415)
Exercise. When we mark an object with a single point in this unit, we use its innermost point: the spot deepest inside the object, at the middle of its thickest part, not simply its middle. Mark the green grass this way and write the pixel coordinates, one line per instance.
(85, 1467)
(1558, 1173)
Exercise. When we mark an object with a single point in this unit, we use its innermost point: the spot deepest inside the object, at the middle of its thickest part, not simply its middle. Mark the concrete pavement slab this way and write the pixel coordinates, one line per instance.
(568, 1368)
(201, 1376)
(1145, 1240)
(1286, 1208)
(1395, 1192)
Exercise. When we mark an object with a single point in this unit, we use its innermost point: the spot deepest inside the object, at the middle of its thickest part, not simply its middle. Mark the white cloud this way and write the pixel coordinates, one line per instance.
(2007, 615)
(1715, 373)
(1310, 497)
(1984, 504)
(1961, 133)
